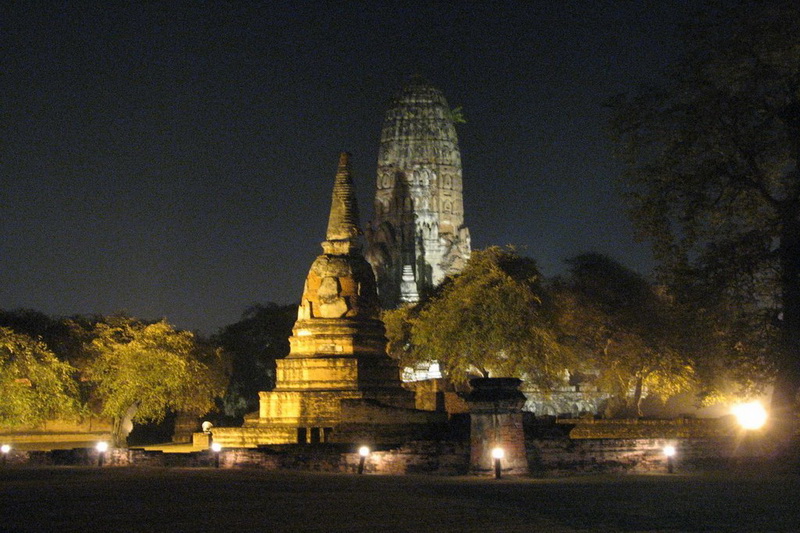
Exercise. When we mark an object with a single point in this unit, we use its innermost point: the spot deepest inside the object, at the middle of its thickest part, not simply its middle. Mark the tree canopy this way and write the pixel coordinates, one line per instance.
(712, 167)
(255, 342)
(624, 331)
(62, 336)
(141, 371)
(493, 319)
(34, 385)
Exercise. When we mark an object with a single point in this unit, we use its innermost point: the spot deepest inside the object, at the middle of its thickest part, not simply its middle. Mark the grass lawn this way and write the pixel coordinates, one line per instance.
(172, 499)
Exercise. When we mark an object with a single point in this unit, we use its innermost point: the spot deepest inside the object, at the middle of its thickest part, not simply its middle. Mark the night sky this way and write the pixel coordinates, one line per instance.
(176, 159)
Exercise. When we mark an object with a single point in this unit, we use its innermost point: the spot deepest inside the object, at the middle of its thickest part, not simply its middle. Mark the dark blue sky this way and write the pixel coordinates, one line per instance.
(176, 158)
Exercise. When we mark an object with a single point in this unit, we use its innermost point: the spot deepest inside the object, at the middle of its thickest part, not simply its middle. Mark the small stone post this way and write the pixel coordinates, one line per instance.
(495, 408)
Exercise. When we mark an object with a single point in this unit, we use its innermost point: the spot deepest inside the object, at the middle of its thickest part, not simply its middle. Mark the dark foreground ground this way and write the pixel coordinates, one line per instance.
(207, 500)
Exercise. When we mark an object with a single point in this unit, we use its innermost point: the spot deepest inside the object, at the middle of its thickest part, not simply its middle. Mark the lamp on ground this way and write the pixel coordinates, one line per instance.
(750, 415)
(364, 453)
(498, 454)
(669, 452)
(102, 448)
(4, 449)
(216, 447)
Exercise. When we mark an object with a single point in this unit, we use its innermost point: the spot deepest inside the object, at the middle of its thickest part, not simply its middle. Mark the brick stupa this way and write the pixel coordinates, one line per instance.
(338, 347)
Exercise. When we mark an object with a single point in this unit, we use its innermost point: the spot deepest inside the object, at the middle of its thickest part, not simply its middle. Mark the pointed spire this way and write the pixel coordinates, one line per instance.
(343, 221)
(417, 79)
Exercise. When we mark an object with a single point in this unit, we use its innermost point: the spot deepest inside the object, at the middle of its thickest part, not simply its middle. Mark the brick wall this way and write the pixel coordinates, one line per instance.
(637, 428)
(569, 456)
(557, 456)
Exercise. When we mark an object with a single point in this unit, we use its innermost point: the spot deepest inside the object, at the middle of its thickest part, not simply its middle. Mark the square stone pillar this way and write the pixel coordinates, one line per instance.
(495, 407)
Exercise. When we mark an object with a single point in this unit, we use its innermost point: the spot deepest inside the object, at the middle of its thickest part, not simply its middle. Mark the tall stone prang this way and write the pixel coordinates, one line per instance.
(417, 236)
(338, 347)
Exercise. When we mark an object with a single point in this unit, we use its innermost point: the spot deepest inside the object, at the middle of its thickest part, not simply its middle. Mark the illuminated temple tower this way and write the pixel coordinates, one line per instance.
(338, 348)
(418, 235)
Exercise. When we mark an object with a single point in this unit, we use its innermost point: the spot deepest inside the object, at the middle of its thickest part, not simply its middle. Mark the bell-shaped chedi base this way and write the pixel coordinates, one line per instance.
(338, 347)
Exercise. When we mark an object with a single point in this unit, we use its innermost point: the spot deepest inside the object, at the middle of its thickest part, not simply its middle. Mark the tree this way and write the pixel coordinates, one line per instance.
(58, 334)
(712, 164)
(34, 385)
(625, 329)
(398, 333)
(255, 342)
(141, 371)
(493, 319)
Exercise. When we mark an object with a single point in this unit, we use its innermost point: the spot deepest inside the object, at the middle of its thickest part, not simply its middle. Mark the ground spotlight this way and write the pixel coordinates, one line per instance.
(751, 415)
(216, 447)
(363, 452)
(669, 452)
(498, 454)
(102, 448)
(4, 449)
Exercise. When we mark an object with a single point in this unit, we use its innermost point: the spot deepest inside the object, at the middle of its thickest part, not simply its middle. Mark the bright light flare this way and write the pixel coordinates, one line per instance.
(669, 451)
(102, 446)
(216, 447)
(363, 451)
(750, 415)
(5, 448)
(498, 453)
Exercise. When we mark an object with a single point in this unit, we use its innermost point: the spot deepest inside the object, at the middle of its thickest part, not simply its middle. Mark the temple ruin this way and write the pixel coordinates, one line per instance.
(417, 235)
(338, 359)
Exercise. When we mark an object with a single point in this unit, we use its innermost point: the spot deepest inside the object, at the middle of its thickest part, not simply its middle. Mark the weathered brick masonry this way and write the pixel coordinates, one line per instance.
(555, 456)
